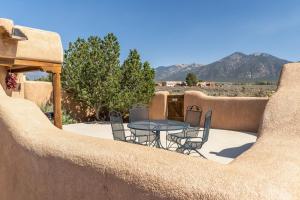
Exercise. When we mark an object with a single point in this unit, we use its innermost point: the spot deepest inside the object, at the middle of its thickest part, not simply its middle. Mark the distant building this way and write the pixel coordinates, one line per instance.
(172, 83)
(207, 84)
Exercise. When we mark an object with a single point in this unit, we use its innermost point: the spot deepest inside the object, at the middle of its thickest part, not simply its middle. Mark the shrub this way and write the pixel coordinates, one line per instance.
(191, 79)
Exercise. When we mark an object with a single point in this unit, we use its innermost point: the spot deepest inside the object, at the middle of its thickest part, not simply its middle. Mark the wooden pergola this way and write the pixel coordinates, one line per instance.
(24, 49)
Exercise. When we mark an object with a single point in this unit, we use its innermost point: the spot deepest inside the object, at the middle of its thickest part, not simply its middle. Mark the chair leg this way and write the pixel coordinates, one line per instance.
(200, 153)
(180, 150)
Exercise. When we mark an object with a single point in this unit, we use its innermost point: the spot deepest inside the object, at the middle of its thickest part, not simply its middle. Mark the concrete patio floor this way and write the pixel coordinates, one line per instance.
(222, 146)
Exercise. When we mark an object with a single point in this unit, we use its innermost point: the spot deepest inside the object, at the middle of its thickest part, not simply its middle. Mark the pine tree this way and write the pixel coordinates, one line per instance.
(93, 75)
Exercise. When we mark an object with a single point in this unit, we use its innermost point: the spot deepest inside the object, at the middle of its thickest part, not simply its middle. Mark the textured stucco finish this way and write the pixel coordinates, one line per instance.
(232, 113)
(81, 112)
(158, 105)
(6, 26)
(39, 161)
(12, 93)
(40, 46)
(38, 92)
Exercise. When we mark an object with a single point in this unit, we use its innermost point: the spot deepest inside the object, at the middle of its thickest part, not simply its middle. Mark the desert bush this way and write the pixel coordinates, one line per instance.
(191, 79)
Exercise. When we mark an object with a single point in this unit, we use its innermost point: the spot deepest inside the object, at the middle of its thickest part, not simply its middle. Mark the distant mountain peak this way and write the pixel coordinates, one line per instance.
(237, 53)
(236, 67)
(234, 56)
(260, 54)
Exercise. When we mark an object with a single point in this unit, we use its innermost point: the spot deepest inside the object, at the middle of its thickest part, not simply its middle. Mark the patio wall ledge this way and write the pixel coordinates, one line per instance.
(39, 161)
(231, 113)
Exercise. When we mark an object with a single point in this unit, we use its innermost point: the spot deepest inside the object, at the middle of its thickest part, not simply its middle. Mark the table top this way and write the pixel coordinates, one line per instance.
(158, 125)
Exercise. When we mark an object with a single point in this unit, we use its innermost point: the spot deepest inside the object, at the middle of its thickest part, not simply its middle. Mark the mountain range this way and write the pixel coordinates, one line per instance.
(237, 67)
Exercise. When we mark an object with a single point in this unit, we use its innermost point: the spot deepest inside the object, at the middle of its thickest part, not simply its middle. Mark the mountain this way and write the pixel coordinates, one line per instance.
(174, 72)
(35, 75)
(237, 67)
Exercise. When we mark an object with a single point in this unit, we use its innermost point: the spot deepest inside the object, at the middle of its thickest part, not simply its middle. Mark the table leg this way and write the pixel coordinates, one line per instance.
(157, 139)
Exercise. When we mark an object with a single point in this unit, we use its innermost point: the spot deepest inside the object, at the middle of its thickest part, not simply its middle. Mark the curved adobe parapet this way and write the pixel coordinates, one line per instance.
(231, 113)
(158, 105)
(37, 45)
(39, 161)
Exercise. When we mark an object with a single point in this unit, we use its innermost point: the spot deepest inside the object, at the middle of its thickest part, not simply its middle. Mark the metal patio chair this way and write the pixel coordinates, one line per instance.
(195, 143)
(141, 113)
(117, 127)
(193, 118)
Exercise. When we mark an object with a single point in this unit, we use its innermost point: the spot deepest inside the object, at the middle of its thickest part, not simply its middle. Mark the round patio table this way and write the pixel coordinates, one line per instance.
(156, 126)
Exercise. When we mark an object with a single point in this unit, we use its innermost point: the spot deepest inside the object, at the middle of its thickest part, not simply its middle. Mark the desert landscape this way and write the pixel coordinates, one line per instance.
(226, 89)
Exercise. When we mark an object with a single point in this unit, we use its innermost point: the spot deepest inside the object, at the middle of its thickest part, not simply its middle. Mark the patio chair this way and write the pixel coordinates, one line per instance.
(193, 118)
(117, 127)
(141, 113)
(195, 143)
(138, 113)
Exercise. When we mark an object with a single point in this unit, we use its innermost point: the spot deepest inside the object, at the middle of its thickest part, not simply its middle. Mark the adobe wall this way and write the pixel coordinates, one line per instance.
(39, 92)
(78, 110)
(158, 106)
(19, 93)
(232, 113)
(39, 161)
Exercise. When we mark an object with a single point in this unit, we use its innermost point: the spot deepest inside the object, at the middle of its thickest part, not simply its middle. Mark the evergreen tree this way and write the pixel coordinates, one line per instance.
(191, 79)
(92, 73)
(131, 78)
(148, 84)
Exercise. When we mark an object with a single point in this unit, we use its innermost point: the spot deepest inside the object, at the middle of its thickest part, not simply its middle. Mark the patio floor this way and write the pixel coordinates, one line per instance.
(222, 146)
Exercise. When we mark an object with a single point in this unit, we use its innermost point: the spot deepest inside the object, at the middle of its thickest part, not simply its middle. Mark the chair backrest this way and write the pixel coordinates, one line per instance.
(207, 124)
(117, 126)
(138, 113)
(193, 116)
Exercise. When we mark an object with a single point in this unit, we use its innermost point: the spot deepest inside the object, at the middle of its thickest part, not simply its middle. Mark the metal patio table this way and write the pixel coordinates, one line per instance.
(156, 126)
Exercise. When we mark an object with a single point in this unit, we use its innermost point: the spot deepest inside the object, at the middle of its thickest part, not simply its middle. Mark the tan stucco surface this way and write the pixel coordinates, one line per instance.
(40, 46)
(158, 105)
(6, 26)
(18, 93)
(38, 91)
(39, 161)
(232, 113)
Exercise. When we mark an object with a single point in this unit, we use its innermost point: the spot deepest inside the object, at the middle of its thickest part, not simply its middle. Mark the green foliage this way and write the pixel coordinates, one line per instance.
(48, 107)
(67, 119)
(47, 78)
(92, 73)
(191, 79)
(137, 82)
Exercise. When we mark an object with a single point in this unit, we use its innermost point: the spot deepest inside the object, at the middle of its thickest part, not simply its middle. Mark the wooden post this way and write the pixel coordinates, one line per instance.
(57, 100)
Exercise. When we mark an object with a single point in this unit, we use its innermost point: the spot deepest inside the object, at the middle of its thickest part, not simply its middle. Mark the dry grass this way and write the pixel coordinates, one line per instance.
(226, 89)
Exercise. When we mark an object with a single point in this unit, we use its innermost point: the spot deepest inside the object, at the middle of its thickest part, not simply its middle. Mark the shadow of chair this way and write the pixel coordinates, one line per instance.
(234, 151)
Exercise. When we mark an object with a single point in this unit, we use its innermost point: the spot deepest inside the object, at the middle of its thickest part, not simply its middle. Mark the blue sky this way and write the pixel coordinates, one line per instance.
(171, 31)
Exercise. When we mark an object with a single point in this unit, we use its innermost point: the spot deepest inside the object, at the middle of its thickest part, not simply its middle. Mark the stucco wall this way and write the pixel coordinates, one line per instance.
(18, 93)
(78, 110)
(39, 161)
(3, 72)
(232, 113)
(82, 112)
(39, 92)
(158, 106)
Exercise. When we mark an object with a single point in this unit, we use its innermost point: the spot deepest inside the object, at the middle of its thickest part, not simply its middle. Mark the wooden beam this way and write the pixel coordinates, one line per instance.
(6, 62)
(57, 100)
(39, 65)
